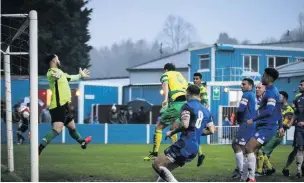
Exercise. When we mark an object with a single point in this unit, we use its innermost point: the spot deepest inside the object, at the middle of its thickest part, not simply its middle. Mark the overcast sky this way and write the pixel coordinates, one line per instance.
(115, 20)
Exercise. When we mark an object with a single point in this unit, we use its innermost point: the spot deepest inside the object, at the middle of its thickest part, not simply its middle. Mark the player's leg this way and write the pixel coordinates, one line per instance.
(299, 160)
(163, 167)
(250, 148)
(239, 158)
(300, 150)
(21, 129)
(267, 150)
(157, 138)
(260, 162)
(50, 135)
(76, 136)
(291, 158)
(58, 118)
(167, 116)
(174, 125)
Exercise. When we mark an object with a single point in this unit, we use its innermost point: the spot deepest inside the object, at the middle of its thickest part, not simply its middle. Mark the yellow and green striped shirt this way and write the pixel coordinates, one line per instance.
(177, 84)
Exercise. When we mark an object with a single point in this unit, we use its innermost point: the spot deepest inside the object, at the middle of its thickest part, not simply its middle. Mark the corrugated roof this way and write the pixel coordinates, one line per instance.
(291, 69)
(291, 44)
(181, 59)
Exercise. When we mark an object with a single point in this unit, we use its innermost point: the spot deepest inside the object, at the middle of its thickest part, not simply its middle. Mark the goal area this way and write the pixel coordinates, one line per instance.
(10, 34)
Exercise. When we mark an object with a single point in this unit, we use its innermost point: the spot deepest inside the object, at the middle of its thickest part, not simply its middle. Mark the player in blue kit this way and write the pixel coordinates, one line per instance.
(266, 123)
(195, 122)
(247, 110)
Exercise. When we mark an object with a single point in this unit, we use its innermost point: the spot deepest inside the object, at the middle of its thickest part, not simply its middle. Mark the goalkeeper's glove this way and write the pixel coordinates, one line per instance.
(85, 73)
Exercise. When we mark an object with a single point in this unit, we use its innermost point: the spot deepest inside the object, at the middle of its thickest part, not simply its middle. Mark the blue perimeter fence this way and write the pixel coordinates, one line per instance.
(101, 133)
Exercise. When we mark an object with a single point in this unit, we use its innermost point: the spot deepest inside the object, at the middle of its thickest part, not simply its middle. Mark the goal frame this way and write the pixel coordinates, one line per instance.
(32, 22)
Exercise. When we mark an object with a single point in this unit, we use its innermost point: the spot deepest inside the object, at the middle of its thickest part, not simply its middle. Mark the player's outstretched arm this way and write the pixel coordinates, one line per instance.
(85, 73)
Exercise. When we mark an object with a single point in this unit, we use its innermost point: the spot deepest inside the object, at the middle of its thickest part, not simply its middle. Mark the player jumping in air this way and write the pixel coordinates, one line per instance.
(247, 110)
(299, 129)
(194, 118)
(287, 113)
(293, 153)
(266, 123)
(61, 109)
(197, 79)
(174, 86)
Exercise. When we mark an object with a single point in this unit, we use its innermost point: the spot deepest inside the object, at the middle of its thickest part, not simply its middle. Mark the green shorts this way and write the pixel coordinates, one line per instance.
(171, 113)
(272, 144)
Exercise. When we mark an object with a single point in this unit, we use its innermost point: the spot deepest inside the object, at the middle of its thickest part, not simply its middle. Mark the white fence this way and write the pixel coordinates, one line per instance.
(224, 135)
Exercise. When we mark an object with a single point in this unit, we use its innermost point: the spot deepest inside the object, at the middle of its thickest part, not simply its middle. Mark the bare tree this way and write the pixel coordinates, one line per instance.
(177, 33)
(300, 35)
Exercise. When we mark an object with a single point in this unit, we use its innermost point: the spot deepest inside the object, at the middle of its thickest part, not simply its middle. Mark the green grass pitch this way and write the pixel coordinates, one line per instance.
(115, 162)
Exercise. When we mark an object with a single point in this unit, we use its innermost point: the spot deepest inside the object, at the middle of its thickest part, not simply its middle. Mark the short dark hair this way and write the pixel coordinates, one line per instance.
(249, 80)
(198, 74)
(302, 81)
(193, 90)
(272, 73)
(169, 67)
(285, 94)
(49, 58)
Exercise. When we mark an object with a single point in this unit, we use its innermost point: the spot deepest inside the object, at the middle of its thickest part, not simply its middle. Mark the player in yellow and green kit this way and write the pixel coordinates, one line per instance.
(197, 80)
(287, 113)
(60, 107)
(174, 86)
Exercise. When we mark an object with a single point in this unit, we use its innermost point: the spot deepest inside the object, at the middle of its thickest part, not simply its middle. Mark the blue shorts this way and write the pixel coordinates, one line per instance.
(264, 134)
(178, 154)
(245, 133)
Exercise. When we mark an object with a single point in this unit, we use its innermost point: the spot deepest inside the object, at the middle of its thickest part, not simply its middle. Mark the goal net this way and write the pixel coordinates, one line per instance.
(19, 95)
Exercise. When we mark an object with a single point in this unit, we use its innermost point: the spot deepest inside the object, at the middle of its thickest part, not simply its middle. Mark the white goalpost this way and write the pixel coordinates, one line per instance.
(32, 22)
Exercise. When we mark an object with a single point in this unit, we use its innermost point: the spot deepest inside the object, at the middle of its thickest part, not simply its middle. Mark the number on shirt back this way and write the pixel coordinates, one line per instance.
(199, 120)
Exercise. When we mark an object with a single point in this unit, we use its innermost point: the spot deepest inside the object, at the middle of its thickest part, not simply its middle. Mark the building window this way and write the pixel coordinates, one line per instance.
(204, 61)
(300, 59)
(277, 61)
(251, 63)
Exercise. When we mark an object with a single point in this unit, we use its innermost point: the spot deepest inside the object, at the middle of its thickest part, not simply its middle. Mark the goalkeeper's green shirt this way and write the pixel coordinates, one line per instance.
(61, 91)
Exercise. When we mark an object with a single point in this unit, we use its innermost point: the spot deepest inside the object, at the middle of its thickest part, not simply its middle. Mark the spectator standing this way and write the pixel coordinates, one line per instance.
(113, 115)
(45, 116)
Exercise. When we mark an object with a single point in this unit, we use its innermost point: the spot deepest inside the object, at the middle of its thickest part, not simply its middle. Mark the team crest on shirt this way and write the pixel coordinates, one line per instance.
(256, 134)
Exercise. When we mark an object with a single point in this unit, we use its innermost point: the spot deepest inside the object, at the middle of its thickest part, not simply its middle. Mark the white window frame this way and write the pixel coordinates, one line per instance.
(275, 60)
(250, 62)
(199, 63)
(299, 58)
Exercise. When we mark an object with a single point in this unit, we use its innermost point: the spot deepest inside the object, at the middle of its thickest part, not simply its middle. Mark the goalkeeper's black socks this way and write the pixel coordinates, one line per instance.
(41, 147)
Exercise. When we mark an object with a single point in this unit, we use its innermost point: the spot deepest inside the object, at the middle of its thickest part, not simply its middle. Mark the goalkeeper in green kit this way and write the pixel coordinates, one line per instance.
(61, 109)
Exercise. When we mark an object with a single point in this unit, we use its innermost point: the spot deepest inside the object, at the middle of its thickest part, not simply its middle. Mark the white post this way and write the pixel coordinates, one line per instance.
(92, 113)
(150, 117)
(97, 111)
(106, 133)
(220, 124)
(34, 94)
(208, 139)
(8, 104)
(63, 136)
(148, 133)
(81, 103)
